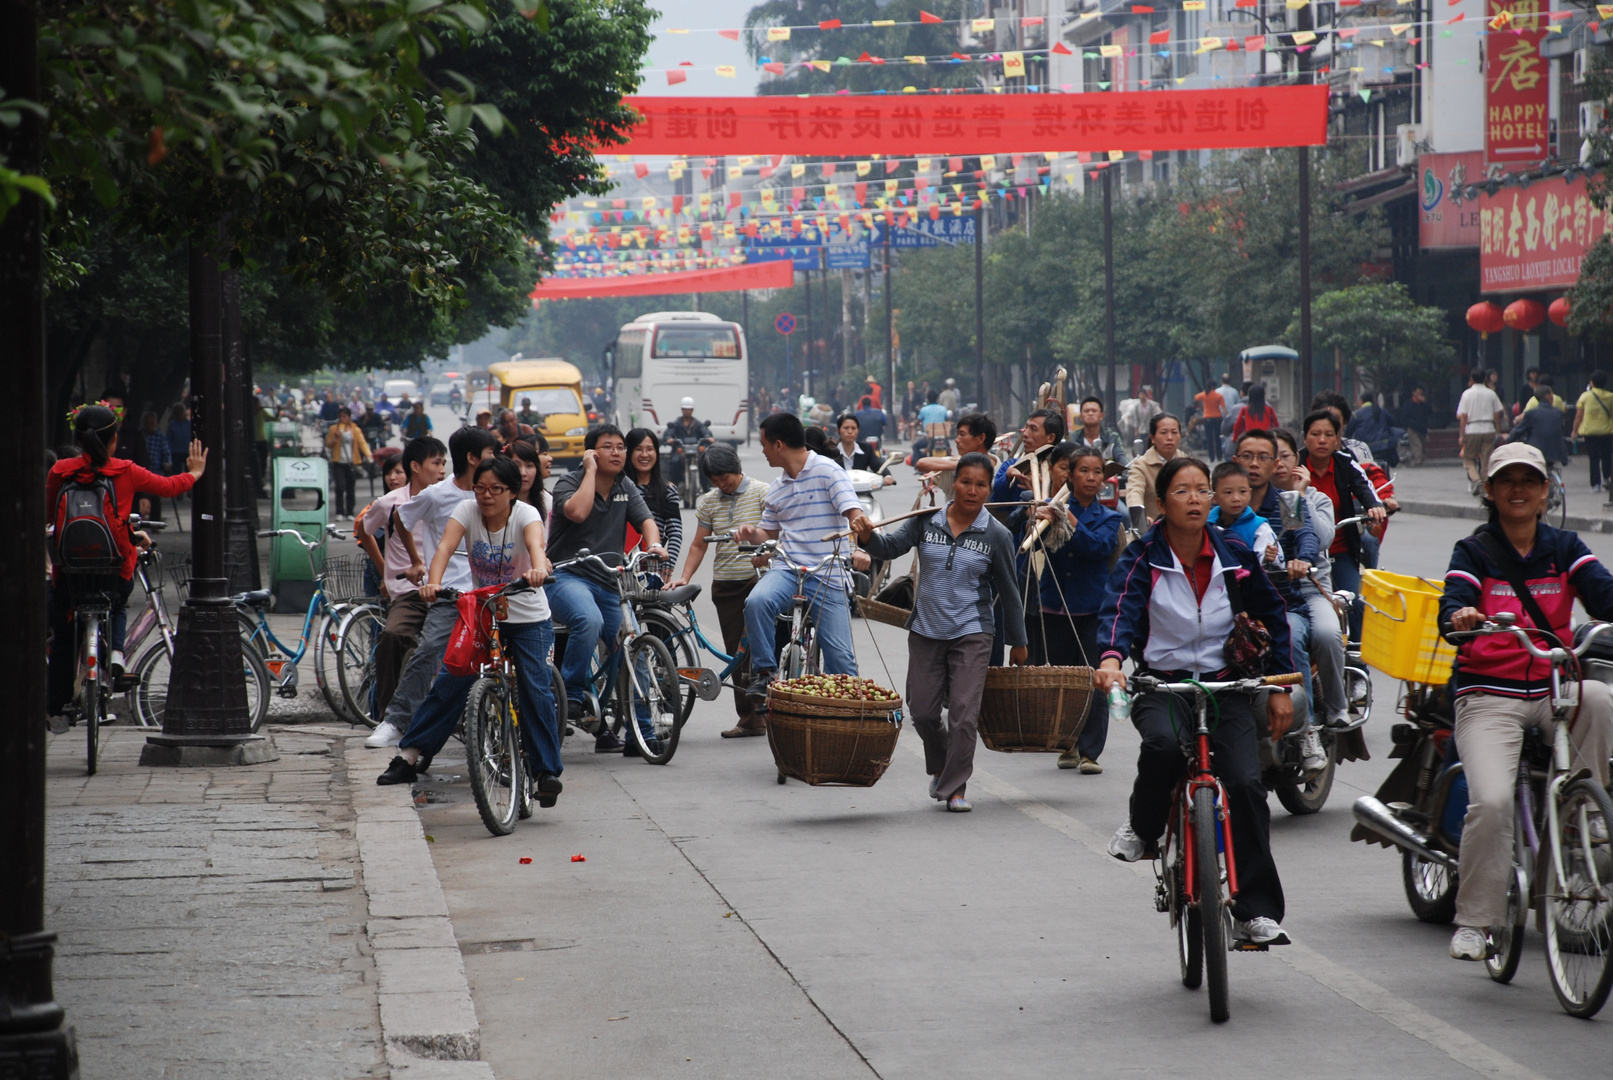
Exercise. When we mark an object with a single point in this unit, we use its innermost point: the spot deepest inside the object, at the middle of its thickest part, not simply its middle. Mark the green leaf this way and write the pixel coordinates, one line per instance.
(490, 117)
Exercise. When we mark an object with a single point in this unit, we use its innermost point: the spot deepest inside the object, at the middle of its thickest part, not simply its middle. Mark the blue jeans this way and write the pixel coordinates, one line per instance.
(1347, 578)
(1299, 636)
(437, 717)
(773, 596)
(591, 611)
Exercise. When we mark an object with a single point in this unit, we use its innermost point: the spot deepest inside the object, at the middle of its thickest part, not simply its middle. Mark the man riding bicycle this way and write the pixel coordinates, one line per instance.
(1514, 564)
(812, 498)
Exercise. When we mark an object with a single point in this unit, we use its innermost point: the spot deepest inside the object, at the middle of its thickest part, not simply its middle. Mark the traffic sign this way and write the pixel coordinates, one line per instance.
(785, 323)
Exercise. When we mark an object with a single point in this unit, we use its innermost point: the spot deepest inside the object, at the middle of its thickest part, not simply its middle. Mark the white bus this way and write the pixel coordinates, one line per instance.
(663, 357)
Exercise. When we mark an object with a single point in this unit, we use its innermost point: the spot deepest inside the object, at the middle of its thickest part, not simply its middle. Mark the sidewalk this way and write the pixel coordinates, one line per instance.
(1440, 489)
(271, 921)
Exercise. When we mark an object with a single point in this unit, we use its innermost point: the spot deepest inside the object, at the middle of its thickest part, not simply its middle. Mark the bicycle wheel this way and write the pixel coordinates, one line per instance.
(1189, 931)
(1212, 921)
(493, 754)
(1557, 502)
(1578, 896)
(1430, 889)
(649, 690)
(148, 699)
(358, 638)
(1507, 939)
(91, 699)
(327, 653)
(680, 643)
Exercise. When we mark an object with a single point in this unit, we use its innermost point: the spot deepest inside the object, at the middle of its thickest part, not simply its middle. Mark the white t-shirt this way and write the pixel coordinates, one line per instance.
(499, 557)
(1479, 404)
(426, 516)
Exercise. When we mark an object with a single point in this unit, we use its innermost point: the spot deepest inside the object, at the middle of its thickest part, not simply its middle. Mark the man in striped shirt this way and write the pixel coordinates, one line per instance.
(813, 497)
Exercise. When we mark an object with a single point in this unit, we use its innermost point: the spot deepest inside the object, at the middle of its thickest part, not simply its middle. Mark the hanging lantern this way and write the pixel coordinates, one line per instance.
(1525, 315)
(1558, 312)
(1486, 318)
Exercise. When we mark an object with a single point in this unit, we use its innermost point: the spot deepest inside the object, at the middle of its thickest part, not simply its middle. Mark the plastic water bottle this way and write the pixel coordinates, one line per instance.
(1119, 705)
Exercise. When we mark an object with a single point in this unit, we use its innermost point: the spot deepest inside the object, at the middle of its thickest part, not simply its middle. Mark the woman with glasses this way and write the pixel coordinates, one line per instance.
(660, 495)
(1170, 609)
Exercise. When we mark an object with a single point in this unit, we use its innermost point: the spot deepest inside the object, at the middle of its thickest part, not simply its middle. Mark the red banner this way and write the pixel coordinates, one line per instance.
(770, 275)
(1449, 219)
(1517, 90)
(903, 125)
(1534, 238)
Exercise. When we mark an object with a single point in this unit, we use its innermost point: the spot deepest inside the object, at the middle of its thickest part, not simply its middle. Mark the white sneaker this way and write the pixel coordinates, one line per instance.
(1126, 845)
(1261, 931)
(1469, 943)
(1312, 756)
(385, 734)
(115, 661)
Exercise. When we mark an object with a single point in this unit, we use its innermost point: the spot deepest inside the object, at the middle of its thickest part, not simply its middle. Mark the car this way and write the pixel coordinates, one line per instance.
(440, 392)
(398, 389)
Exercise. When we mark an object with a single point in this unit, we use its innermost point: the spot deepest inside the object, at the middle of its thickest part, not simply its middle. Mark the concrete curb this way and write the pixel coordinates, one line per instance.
(1472, 510)
(428, 1020)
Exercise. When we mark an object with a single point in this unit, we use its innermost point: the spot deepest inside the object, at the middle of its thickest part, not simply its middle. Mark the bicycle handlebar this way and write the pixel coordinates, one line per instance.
(1387, 511)
(330, 531)
(1148, 684)
(448, 592)
(1504, 624)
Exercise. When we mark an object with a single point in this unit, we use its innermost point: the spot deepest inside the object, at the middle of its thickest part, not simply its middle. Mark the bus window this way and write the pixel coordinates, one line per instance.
(696, 342)
(629, 354)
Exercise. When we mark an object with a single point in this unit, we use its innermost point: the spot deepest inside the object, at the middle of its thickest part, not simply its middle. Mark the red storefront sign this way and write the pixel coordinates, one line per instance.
(1447, 218)
(1517, 87)
(907, 124)
(1534, 238)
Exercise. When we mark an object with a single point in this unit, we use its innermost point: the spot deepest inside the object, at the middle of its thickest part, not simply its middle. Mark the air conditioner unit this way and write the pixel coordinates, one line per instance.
(1591, 115)
(1582, 65)
(1407, 136)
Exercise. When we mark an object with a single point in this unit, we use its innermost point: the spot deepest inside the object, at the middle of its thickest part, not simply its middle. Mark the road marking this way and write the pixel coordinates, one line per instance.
(1459, 1046)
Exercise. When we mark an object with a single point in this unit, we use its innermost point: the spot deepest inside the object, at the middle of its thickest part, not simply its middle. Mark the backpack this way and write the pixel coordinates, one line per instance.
(87, 520)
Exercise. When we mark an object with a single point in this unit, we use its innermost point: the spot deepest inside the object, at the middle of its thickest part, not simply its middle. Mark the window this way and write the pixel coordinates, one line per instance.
(696, 343)
(630, 354)
(550, 400)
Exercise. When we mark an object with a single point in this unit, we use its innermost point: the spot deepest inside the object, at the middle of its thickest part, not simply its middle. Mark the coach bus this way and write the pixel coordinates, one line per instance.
(661, 358)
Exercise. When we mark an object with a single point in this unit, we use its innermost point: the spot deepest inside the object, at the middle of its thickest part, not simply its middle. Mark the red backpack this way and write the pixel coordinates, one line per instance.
(86, 522)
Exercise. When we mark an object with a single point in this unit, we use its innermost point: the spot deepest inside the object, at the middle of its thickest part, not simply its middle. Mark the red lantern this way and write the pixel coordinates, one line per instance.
(1558, 312)
(1525, 315)
(1486, 318)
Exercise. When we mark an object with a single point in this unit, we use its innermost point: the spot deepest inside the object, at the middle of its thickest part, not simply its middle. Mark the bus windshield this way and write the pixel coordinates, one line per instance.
(696, 342)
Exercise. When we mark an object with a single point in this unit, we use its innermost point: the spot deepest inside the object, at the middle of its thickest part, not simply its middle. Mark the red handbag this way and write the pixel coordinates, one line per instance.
(470, 644)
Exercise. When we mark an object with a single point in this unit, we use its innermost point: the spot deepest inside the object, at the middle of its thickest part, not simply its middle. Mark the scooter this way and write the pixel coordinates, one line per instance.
(685, 474)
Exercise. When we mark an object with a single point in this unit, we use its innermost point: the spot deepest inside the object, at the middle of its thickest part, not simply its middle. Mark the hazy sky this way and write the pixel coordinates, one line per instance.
(704, 50)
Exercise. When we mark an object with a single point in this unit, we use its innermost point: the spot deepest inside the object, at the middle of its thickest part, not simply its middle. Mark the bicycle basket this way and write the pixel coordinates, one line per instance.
(1400, 632)
(343, 577)
(177, 570)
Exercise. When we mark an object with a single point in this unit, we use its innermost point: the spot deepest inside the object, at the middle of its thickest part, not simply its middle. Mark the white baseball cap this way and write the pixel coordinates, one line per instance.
(1517, 454)
(686, 403)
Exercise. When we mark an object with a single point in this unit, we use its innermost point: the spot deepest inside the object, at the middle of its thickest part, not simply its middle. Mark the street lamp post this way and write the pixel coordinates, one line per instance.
(1109, 289)
(980, 303)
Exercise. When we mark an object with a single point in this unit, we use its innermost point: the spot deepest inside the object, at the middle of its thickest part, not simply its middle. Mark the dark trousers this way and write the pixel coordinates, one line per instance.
(1212, 435)
(1599, 448)
(953, 672)
(64, 635)
(1163, 720)
(1054, 640)
(405, 615)
(729, 598)
(342, 479)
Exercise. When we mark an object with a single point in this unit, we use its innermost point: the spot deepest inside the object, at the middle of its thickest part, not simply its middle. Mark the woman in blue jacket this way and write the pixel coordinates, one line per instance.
(1073, 584)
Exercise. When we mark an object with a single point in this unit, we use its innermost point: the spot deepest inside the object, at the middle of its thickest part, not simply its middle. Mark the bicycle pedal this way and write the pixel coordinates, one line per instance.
(1249, 946)
(124, 683)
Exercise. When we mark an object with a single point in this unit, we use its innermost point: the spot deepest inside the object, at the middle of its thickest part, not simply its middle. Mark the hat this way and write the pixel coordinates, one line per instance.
(686, 403)
(1517, 454)
(950, 382)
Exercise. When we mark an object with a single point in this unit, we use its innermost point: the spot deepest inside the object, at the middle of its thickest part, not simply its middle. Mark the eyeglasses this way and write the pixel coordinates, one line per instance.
(1258, 459)
(1186, 494)
(491, 490)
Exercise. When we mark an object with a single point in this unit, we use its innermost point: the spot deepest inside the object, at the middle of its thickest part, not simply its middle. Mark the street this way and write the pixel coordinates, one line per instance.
(724, 925)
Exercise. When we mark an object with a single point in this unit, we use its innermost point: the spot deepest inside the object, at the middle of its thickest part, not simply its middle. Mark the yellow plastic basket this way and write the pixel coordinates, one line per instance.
(1400, 629)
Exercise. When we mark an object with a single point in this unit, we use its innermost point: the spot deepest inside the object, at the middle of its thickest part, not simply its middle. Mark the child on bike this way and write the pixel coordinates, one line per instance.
(502, 539)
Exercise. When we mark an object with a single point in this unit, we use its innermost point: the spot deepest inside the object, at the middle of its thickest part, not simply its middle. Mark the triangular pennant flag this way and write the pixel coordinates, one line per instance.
(926, 17)
(731, 35)
(673, 78)
(1059, 49)
(829, 24)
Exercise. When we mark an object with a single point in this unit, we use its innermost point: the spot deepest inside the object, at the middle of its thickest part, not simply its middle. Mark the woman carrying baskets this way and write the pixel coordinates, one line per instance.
(966, 559)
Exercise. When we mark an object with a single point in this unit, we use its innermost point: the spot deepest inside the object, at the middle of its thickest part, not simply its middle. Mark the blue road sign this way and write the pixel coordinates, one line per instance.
(785, 323)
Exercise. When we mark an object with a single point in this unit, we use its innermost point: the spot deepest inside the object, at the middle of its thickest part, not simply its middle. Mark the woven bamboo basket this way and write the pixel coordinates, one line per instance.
(1034, 710)
(823, 742)
(893, 604)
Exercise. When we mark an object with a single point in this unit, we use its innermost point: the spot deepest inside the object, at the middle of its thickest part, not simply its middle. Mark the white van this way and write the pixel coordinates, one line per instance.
(663, 357)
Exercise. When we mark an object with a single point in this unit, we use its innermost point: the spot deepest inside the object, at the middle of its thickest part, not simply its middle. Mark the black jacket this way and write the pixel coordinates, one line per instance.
(1355, 496)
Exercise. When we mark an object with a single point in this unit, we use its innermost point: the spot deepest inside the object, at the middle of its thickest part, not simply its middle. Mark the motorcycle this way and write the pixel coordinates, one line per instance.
(866, 483)
(686, 475)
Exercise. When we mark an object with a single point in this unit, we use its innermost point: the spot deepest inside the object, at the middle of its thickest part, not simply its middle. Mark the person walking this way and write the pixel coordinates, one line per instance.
(1593, 420)
(1415, 414)
(345, 444)
(1215, 407)
(1479, 418)
(966, 561)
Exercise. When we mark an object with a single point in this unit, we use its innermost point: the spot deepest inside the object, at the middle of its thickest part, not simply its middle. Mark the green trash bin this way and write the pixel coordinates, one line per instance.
(285, 439)
(301, 502)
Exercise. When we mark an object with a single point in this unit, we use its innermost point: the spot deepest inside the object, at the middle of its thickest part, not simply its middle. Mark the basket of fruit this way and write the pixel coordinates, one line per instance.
(833, 729)
(1034, 710)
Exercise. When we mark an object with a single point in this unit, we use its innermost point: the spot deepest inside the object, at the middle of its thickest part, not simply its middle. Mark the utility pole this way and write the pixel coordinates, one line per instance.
(807, 352)
(890, 321)
(980, 303)
(33, 1039)
(1302, 65)
(1109, 288)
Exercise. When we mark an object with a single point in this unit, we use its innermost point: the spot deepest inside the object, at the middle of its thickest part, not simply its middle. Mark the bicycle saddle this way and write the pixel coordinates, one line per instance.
(683, 594)
(255, 598)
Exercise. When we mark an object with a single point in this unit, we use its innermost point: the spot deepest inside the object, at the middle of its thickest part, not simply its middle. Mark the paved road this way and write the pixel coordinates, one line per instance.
(724, 925)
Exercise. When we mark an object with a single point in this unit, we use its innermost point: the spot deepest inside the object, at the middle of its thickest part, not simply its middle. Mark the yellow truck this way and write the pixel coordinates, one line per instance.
(555, 389)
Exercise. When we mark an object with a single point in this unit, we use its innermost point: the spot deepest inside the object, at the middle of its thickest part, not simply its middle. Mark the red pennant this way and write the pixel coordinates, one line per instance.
(926, 17)
(935, 213)
(731, 35)
(827, 168)
(829, 24)
(673, 78)
(641, 170)
(797, 194)
(775, 67)
(1060, 49)
(1159, 37)
(954, 164)
(677, 204)
(860, 192)
(705, 174)
(891, 166)
(733, 198)
(865, 59)
(1141, 9)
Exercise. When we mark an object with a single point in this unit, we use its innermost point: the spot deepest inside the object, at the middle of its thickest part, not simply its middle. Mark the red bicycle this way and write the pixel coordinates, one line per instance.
(1196, 869)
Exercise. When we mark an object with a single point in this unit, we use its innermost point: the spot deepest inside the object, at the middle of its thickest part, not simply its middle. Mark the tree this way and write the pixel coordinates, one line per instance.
(1380, 329)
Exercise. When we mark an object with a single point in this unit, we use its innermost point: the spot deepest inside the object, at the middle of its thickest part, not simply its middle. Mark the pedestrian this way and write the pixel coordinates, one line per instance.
(1256, 414)
(157, 448)
(1376, 426)
(1593, 419)
(345, 445)
(1214, 406)
(1415, 415)
(966, 562)
(528, 415)
(1479, 418)
(733, 500)
(1542, 428)
(911, 402)
(644, 466)
(1229, 395)
(1063, 628)
(394, 475)
(1092, 433)
(1164, 437)
(976, 434)
(503, 540)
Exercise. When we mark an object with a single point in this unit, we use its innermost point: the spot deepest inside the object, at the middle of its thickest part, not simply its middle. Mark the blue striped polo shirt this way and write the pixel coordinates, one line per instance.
(805, 507)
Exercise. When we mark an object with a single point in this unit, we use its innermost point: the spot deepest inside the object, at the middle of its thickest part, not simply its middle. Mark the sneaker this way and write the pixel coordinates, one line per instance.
(1260, 931)
(1090, 766)
(757, 691)
(115, 662)
(577, 710)
(1070, 759)
(958, 805)
(1126, 845)
(549, 788)
(935, 786)
(606, 742)
(398, 772)
(385, 734)
(1312, 756)
(1470, 943)
(629, 746)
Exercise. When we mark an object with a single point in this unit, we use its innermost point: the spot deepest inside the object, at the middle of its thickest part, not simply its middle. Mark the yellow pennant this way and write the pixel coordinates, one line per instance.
(924, 164)
(778, 33)
(675, 173)
(883, 22)
(890, 187)
(831, 191)
(746, 161)
(1014, 63)
(797, 171)
(988, 161)
(1192, 5)
(1604, 11)
(980, 26)
(821, 65)
(1116, 155)
(1109, 50)
(863, 167)
(735, 172)
(725, 71)
(1303, 37)
(1296, 5)
(648, 202)
(915, 59)
(1401, 28)
(1208, 44)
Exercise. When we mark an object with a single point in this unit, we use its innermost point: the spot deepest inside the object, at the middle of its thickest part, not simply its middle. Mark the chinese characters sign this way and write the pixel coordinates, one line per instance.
(1447, 219)
(903, 125)
(1517, 89)
(1534, 238)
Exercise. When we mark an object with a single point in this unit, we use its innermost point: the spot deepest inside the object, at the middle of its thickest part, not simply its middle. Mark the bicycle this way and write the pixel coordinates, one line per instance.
(1195, 869)
(1556, 499)
(1567, 838)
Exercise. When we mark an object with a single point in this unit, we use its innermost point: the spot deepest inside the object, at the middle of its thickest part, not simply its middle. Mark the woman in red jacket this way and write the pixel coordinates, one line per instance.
(95, 432)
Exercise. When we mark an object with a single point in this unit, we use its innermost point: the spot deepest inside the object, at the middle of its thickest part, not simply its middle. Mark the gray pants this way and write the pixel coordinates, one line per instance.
(1327, 651)
(954, 672)
(415, 682)
(1489, 736)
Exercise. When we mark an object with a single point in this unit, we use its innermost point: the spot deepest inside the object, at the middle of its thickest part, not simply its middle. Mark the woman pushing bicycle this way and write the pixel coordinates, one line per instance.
(1517, 565)
(1184, 603)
